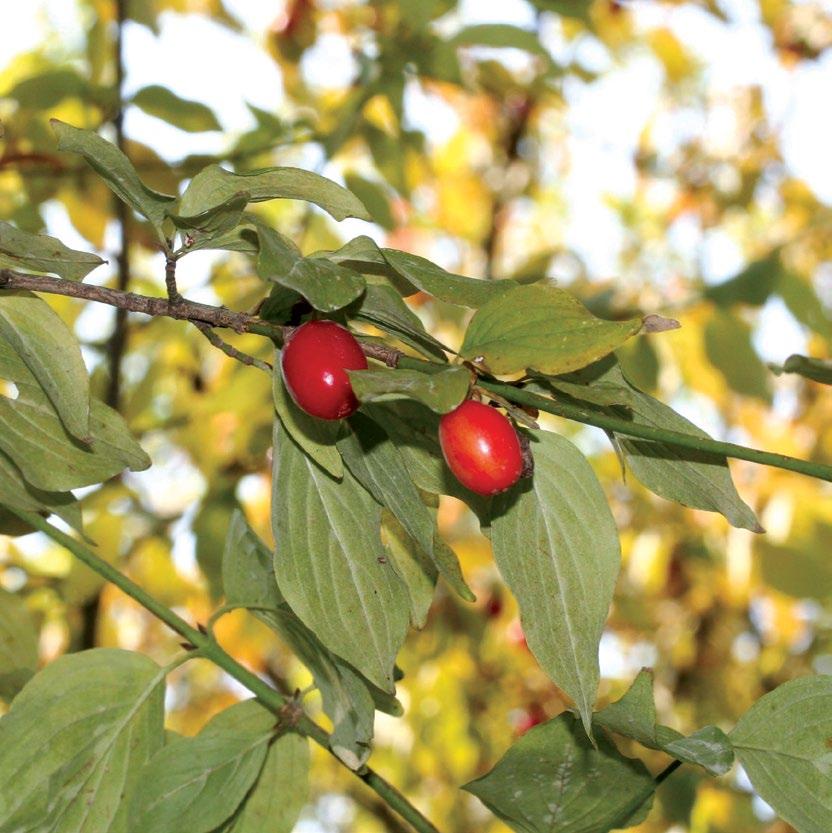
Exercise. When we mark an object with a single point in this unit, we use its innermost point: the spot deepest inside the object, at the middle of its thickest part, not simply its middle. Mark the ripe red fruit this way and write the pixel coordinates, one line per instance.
(315, 361)
(481, 448)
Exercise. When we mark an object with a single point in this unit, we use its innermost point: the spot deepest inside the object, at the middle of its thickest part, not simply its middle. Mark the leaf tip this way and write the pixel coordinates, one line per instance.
(658, 324)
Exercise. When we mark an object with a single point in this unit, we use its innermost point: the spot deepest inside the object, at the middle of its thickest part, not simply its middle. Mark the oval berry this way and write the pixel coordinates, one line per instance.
(481, 448)
(315, 361)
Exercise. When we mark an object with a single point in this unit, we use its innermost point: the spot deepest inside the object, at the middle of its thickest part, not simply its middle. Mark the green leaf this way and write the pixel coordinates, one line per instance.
(687, 476)
(553, 778)
(500, 35)
(348, 699)
(363, 255)
(51, 353)
(40, 253)
(634, 716)
(116, 170)
(281, 791)
(18, 645)
(212, 226)
(37, 442)
(48, 89)
(16, 493)
(753, 285)
(315, 436)
(709, 747)
(333, 573)
(374, 196)
(75, 740)
(413, 565)
(556, 545)
(414, 429)
(783, 742)
(380, 468)
(729, 348)
(196, 784)
(326, 285)
(214, 185)
(441, 391)
(541, 327)
(818, 370)
(578, 9)
(804, 304)
(690, 477)
(382, 306)
(187, 115)
(453, 289)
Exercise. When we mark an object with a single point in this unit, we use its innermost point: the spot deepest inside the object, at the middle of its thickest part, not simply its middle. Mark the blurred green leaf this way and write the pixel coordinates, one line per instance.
(374, 197)
(49, 88)
(753, 285)
(500, 35)
(40, 253)
(556, 545)
(818, 370)
(18, 643)
(729, 348)
(161, 102)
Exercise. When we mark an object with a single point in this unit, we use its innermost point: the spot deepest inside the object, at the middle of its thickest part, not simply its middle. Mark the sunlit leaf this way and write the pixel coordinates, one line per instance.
(541, 327)
(373, 195)
(500, 35)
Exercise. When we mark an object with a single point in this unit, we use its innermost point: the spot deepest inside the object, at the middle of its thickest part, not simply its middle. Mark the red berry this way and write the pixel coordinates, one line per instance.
(315, 361)
(481, 448)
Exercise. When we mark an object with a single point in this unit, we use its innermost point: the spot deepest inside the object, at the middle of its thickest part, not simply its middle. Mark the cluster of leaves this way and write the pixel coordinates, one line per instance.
(357, 552)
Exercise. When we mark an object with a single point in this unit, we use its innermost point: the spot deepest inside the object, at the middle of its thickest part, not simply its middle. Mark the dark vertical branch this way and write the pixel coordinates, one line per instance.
(118, 340)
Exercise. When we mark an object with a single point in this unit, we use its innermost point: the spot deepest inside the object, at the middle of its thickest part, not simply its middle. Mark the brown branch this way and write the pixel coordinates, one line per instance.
(183, 310)
(201, 315)
(170, 280)
(230, 351)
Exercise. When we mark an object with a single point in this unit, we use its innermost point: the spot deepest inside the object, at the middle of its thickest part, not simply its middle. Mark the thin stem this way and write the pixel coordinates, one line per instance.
(230, 351)
(286, 709)
(242, 322)
(170, 280)
(618, 425)
(667, 772)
